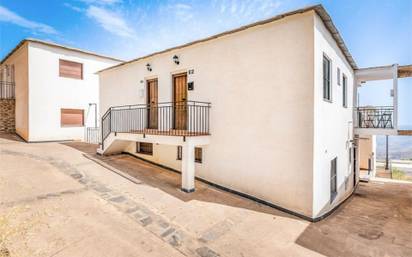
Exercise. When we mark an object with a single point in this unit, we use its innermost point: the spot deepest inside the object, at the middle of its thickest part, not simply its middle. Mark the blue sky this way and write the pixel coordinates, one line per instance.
(377, 32)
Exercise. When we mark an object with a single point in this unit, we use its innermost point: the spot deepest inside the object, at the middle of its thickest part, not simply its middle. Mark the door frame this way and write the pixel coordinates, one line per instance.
(174, 75)
(148, 97)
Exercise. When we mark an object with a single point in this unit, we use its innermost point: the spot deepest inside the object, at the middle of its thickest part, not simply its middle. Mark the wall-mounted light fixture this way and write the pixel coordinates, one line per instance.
(149, 67)
(176, 59)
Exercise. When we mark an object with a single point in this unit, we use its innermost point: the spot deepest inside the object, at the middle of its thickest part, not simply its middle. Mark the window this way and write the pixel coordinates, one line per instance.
(327, 94)
(344, 91)
(179, 153)
(338, 76)
(333, 179)
(144, 148)
(198, 154)
(69, 69)
(71, 117)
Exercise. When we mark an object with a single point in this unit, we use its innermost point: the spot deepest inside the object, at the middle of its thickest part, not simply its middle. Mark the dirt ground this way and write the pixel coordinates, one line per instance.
(57, 201)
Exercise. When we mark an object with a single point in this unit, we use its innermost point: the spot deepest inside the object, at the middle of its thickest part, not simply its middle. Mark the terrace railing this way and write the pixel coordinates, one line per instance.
(189, 118)
(375, 117)
(7, 90)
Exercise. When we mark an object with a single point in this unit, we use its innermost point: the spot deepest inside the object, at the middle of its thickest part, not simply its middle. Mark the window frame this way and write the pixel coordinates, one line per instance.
(333, 179)
(179, 153)
(62, 125)
(139, 150)
(327, 98)
(198, 151)
(344, 91)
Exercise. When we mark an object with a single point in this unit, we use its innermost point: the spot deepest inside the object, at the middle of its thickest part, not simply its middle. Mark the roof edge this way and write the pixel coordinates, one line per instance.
(318, 8)
(33, 40)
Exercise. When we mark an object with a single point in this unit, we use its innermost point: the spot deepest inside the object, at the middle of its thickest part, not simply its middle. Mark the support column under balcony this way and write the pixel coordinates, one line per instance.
(188, 167)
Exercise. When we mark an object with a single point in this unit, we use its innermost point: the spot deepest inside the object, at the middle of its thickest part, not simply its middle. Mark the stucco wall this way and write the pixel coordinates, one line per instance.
(49, 92)
(20, 61)
(260, 84)
(366, 151)
(333, 124)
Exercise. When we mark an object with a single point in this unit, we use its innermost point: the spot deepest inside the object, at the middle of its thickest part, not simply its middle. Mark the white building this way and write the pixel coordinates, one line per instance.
(56, 89)
(265, 110)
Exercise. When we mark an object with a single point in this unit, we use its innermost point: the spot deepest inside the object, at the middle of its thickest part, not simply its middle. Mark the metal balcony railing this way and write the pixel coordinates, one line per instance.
(7, 90)
(189, 118)
(375, 117)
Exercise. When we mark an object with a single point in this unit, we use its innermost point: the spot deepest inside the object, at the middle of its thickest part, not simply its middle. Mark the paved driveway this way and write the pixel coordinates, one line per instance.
(56, 202)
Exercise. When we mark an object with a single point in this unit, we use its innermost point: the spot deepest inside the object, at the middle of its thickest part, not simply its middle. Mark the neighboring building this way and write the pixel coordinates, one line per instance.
(266, 110)
(53, 86)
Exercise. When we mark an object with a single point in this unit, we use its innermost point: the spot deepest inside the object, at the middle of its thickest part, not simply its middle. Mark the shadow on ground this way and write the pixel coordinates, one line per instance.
(170, 182)
(375, 221)
(11, 137)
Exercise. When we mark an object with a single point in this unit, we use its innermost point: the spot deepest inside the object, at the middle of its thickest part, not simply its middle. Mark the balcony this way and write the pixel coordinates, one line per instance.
(377, 117)
(186, 119)
(7, 90)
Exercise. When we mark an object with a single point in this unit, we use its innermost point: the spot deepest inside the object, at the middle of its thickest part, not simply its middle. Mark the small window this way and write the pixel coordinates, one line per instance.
(179, 153)
(344, 91)
(338, 76)
(71, 117)
(198, 154)
(69, 69)
(333, 179)
(144, 148)
(327, 90)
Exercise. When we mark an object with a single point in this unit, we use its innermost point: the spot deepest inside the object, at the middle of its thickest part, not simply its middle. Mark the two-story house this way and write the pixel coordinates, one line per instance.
(265, 110)
(54, 90)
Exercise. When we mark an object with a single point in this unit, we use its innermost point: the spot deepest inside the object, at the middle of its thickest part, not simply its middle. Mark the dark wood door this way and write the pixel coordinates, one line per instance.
(180, 101)
(152, 102)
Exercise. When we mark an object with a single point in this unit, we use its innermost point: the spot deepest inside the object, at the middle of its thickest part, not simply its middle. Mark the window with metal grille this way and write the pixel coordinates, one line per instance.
(71, 117)
(344, 91)
(327, 90)
(179, 153)
(69, 69)
(198, 154)
(144, 148)
(333, 179)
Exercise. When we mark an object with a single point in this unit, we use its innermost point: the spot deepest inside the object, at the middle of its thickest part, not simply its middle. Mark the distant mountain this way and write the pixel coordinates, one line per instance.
(400, 147)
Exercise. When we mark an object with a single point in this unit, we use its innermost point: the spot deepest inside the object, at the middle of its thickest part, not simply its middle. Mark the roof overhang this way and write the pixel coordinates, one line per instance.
(33, 40)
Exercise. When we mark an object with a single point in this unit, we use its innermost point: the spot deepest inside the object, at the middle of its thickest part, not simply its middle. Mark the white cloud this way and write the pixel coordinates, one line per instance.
(74, 8)
(102, 2)
(8, 16)
(183, 11)
(111, 21)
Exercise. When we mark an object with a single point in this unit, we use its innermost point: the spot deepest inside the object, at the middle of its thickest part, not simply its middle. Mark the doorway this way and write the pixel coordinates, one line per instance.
(180, 101)
(152, 103)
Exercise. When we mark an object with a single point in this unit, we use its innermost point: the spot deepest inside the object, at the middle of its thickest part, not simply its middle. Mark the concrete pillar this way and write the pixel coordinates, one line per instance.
(188, 167)
(395, 96)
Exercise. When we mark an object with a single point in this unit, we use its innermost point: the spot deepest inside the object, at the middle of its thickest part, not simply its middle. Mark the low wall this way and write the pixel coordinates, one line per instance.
(7, 115)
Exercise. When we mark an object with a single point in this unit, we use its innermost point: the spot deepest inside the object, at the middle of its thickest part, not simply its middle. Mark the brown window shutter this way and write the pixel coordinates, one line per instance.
(72, 117)
(70, 69)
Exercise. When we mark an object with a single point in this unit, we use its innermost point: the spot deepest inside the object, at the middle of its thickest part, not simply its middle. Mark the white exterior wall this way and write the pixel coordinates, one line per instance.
(49, 92)
(20, 61)
(260, 84)
(333, 124)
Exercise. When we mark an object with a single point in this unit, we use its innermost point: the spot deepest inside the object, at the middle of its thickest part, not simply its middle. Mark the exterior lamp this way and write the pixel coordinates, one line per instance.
(149, 67)
(176, 59)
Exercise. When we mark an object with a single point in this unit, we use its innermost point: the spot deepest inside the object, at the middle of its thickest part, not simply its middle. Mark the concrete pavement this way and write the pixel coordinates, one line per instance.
(64, 204)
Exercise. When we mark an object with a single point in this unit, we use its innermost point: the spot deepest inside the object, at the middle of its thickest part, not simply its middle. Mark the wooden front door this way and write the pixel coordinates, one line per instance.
(152, 102)
(180, 101)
